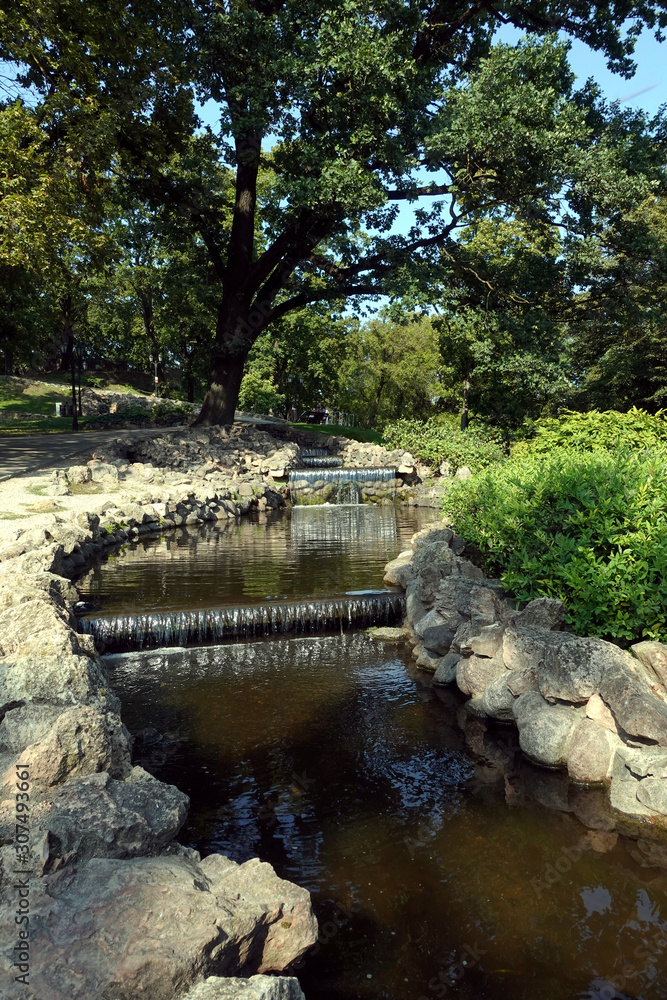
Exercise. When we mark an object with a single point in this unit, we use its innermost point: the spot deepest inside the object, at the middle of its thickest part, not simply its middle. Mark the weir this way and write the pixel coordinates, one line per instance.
(340, 486)
(125, 633)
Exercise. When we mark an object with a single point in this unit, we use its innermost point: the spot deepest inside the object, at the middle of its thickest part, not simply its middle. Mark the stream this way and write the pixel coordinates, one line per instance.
(440, 862)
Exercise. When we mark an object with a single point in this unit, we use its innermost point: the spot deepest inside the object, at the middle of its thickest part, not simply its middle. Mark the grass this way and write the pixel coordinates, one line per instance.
(356, 433)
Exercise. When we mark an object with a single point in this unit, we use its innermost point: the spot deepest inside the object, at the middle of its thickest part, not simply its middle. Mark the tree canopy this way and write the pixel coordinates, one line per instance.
(331, 114)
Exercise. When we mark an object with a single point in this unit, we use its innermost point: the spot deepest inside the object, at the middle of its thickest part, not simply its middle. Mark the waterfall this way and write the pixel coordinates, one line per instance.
(321, 461)
(121, 633)
(341, 485)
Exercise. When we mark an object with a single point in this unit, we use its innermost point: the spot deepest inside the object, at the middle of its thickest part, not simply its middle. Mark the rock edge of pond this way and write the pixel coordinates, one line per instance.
(579, 703)
(108, 903)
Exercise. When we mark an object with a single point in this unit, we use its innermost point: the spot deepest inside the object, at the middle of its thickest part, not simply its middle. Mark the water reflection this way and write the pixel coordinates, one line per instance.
(441, 862)
(298, 554)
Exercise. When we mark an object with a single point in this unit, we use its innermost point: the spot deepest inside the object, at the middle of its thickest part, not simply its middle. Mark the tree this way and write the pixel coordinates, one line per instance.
(392, 370)
(360, 101)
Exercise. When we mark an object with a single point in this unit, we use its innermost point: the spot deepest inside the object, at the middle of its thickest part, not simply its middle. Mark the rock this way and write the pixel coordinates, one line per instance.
(26, 724)
(446, 671)
(97, 816)
(635, 707)
(544, 612)
(434, 631)
(66, 680)
(479, 671)
(414, 609)
(569, 668)
(461, 679)
(591, 752)
(82, 741)
(623, 791)
(58, 490)
(498, 700)
(489, 640)
(43, 506)
(520, 681)
(654, 656)
(255, 988)
(544, 730)
(598, 711)
(431, 563)
(425, 658)
(387, 634)
(245, 490)
(463, 472)
(277, 473)
(644, 761)
(398, 572)
(78, 474)
(149, 927)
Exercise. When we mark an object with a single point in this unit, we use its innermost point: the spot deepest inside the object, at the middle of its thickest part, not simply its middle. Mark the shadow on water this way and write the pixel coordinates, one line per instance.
(441, 863)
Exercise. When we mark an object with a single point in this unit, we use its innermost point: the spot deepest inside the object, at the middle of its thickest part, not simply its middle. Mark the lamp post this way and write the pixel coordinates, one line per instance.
(156, 361)
(79, 351)
(63, 350)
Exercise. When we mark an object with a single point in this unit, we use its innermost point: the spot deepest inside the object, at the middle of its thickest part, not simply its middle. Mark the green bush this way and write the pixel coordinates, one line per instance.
(434, 441)
(258, 395)
(95, 382)
(591, 431)
(589, 528)
(166, 412)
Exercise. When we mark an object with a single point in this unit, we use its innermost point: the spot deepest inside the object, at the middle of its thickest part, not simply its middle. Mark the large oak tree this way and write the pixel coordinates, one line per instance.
(353, 107)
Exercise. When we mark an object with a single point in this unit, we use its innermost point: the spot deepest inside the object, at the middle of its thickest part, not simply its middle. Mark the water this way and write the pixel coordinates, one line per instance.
(302, 554)
(120, 633)
(340, 486)
(440, 862)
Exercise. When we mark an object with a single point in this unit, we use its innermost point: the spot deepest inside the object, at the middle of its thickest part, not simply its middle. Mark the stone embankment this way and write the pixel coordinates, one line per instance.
(115, 906)
(579, 703)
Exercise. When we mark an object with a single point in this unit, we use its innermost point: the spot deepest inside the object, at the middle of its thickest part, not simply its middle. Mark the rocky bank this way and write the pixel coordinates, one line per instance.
(580, 704)
(108, 904)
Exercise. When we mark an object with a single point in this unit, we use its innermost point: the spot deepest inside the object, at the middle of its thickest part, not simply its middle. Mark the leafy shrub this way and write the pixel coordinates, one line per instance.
(258, 395)
(589, 528)
(166, 412)
(591, 431)
(95, 382)
(434, 441)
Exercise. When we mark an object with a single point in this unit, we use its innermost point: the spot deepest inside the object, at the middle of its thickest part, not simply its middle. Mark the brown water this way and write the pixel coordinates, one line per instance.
(440, 863)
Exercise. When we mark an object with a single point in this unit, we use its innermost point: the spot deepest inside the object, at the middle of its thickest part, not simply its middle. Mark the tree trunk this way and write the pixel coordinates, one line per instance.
(191, 389)
(222, 395)
(376, 403)
(9, 361)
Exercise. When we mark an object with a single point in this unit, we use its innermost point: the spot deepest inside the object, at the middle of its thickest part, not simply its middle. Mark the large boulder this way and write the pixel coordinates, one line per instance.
(435, 632)
(431, 563)
(66, 680)
(543, 612)
(654, 656)
(498, 700)
(255, 988)
(98, 816)
(477, 672)
(545, 730)
(151, 927)
(569, 667)
(81, 741)
(399, 572)
(591, 752)
(637, 710)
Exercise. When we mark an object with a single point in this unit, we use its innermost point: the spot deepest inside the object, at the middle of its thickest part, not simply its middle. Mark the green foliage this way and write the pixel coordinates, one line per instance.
(258, 395)
(593, 431)
(435, 441)
(588, 528)
(166, 412)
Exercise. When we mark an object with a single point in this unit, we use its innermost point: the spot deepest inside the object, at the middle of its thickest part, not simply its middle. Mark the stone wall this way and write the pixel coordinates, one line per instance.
(581, 704)
(115, 906)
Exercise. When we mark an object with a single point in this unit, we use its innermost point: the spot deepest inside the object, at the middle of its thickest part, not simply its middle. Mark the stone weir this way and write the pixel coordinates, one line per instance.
(125, 633)
(579, 703)
(342, 486)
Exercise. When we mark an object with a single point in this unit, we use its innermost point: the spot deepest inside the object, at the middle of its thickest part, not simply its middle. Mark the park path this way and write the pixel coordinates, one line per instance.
(27, 452)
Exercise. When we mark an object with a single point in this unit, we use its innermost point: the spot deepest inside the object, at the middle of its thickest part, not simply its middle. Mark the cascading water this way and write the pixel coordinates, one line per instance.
(121, 633)
(321, 461)
(340, 486)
